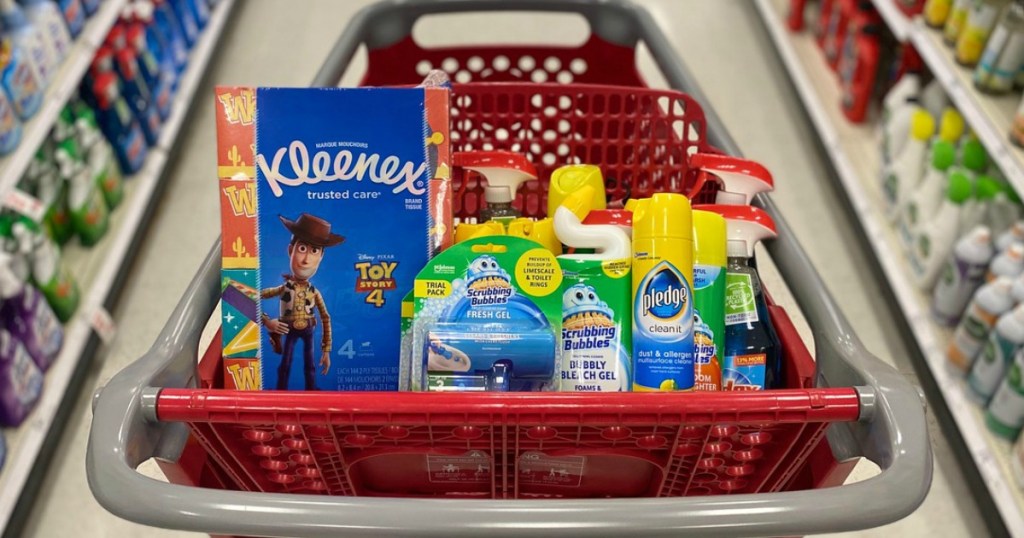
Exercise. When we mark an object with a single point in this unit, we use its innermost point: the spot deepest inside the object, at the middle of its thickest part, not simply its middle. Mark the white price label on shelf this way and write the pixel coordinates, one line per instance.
(103, 324)
(24, 203)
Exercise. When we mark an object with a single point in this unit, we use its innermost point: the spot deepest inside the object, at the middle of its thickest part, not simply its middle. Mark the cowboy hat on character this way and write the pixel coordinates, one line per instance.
(299, 298)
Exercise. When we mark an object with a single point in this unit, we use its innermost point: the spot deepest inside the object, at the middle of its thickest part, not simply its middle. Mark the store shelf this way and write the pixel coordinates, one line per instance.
(97, 270)
(64, 85)
(894, 18)
(853, 150)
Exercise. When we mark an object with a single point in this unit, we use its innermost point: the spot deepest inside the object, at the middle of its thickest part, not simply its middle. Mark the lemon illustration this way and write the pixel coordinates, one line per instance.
(667, 385)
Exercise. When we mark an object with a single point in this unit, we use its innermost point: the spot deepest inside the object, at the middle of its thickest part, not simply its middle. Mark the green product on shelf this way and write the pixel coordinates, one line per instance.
(99, 155)
(48, 272)
(52, 191)
(89, 212)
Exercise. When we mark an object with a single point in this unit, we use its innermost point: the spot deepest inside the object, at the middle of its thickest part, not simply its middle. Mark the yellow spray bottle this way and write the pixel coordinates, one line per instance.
(709, 254)
(663, 358)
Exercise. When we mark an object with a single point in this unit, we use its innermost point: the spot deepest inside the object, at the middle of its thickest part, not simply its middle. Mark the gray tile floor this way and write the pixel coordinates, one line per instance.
(283, 43)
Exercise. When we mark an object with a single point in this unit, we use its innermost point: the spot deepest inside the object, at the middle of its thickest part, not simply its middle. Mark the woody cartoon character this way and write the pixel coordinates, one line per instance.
(297, 321)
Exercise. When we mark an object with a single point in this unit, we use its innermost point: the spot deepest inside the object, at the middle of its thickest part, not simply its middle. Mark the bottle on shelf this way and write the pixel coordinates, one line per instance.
(928, 196)
(981, 20)
(956, 21)
(163, 26)
(897, 109)
(1009, 262)
(74, 15)
(10, 126)
(136, 93)
(187, 20)
(28, 37)
(89, 212)
(20, 79)
(935, 100)
(934, 240)
(1004, 209)
(1015, 234)
(119, 124)
(990, 302)
(48, 19)
(1004, 54)
(159, 82)
(25, 312)
(962, 275)
(99, 156)
(44, 264)
(902, 175)
(936, 12)
(1004, 415)
(976, 208)
(990, 366)
(51, 189)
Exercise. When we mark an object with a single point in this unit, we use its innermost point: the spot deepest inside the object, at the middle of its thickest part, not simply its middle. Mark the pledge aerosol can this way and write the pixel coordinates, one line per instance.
(663, 294)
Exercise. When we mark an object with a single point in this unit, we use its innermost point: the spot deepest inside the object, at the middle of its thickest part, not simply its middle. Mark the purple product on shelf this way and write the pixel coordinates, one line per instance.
(30, 319)
(21, 382)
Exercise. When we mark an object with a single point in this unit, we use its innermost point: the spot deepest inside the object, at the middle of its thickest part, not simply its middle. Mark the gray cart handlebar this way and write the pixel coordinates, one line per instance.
(892, 431)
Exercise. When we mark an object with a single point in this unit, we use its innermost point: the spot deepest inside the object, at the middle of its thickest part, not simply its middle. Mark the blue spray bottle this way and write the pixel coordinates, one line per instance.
(20, 80)
(29, 39)
(50, 23)
(160, 82)
(74, 15)
(10, 126)
(166, 24)
(119, 124)
(179, 13)
(136, 92)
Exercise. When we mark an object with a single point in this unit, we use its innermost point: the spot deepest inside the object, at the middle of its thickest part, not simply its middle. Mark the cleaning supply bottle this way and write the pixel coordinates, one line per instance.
(981, 20)
(596, 300)
(751, 359)
(934, 98)
(45, 16)
(159, 83)
(1003, 55)
(499, 206)
(936, 12)
(709, 275)
(663, 294)
(956, 21)
(1009, 263)
(897, 109)
(163, 25)
(990, 302)
(976, 207)
(89, 212)
(136, 93)
(99, 156)
(27, 316)
(542, 231)
(185, 18)
(902, 175)
(27, 36)
(1005, 413)
(928, 196)
(739, 180)
(935, 237)
(10, 126)
(1014, 235)
(119, 124)
(48, 272)
(973, 157)
(570, 178)
(1003, 211)
(962, 275)
(74, 15)
(503, 172)
(20, 79)
(990, 366)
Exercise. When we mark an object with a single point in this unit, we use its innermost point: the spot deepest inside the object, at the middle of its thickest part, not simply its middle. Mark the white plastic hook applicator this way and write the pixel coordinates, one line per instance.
(608, 241)
(741, 179)
(499, 168)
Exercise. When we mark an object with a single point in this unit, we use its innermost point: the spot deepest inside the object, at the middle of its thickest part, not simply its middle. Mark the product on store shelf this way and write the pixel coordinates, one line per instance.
(159, 82)
(186, 19)
(20, 79)
(795, 15)
(487, 317)
(1013, 235)
(990, 302)
(751, 360)
(935, 236)
(21, 382)
(663, 293)
(1004, 210)
(89, 212)
(956, 21)
(319, 248)
(10, 126)
(927, 198)
(710, 262)
(90, 6)
(74, 15)
(1017, 129)
(162, 25)
(47, 18)
(27, 316)
(901, 176)
(1009, 262)
(570, 178)
(1004, 54)
(981, 21)
(836, 16)
(897, 110)
(991, 364)
(48, 271)
(976, 207)
(936, 12)
(119, 124)
(28, 38)
(596, 295)
(858, 64)
(99, 156)
(962, 275)
(934, 99)
(136, 92)
(1005, 413)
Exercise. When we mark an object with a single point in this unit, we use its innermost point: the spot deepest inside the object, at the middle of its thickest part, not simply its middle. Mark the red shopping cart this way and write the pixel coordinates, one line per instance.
(723, 464)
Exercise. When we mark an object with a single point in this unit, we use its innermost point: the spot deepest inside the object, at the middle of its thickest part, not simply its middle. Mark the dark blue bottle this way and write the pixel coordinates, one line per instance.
(136, 92)
(119, 124)
(74, 15)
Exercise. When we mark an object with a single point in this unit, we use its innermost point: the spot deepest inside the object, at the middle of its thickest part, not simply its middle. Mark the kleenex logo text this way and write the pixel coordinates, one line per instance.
(343, 166)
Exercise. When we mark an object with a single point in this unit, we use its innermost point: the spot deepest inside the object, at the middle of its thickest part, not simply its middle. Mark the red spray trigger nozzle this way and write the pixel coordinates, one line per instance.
(740, 179)
(500, 168)
(745, 226)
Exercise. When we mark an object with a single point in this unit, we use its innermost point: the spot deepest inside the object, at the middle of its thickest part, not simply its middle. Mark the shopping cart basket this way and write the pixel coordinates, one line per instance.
(707, 464)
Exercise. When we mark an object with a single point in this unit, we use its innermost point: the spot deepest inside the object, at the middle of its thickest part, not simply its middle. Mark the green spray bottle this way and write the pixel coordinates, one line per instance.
(27, 238)
(98, 154)
(89, 212)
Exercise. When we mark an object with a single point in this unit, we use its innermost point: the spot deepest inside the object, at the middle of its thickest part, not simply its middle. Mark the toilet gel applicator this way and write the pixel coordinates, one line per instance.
(596, 291)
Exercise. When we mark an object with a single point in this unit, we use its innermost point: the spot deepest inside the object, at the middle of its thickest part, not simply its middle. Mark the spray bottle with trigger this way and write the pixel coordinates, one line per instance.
(504, 172)
(739, 180)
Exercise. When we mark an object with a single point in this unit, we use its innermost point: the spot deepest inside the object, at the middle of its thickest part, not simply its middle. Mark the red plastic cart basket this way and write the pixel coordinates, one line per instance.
(709, 464)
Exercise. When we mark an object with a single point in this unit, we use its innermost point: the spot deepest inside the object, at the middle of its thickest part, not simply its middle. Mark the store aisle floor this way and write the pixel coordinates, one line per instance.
(274, 43)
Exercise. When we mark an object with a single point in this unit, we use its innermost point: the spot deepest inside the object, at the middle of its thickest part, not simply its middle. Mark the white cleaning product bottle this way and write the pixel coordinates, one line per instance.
(934, 240)
(928, 195)
(1009, 262)
(47, 18)
(1014, 235)
(991, 301)
(1017, 291)
(934, 98)
(962, 275)
(1003, 342)
(1003, 210)
(596, 300)
(975, 208)
(901, 176)
(739, 179)
(897, 109)
(28, 37)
